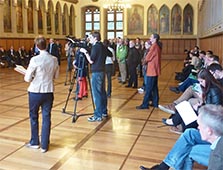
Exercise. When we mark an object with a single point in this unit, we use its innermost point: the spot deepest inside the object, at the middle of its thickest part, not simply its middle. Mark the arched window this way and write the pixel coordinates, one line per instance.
(19, 16)
(114, 24)
(30, 16)
(7, 16)
(92, 19)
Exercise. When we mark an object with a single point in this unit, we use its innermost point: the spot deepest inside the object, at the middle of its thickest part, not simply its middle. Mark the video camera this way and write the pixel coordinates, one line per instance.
(81, 43)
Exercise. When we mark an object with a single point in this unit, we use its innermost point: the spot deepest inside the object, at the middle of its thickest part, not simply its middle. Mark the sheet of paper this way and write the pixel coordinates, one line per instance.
(20, 69)
(186, 112)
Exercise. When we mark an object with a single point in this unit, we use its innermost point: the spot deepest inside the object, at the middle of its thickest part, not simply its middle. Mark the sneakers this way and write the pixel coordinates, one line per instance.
(28, 145)
(140, 90)
(104, 115)
(168, 108)
(94, 119)
(43, 150)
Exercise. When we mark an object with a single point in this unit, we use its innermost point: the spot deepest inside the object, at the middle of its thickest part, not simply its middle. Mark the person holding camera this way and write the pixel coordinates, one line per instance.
(97, 60)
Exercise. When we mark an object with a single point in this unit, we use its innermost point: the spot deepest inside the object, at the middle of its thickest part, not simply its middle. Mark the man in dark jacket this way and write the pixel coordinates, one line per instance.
(53, 49)
(132, 63)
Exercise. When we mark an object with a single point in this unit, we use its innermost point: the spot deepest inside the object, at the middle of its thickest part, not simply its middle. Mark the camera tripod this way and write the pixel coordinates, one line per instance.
(79, 73)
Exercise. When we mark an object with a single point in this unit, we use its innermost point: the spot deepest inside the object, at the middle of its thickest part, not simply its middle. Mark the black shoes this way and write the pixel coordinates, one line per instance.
(141, 107)
(175, 89)
(156, 167)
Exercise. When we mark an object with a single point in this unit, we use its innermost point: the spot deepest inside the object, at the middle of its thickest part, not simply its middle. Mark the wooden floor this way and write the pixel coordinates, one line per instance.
(127, 139)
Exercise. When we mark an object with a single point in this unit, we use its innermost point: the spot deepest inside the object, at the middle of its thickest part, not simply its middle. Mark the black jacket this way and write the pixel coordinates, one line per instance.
(214, 96)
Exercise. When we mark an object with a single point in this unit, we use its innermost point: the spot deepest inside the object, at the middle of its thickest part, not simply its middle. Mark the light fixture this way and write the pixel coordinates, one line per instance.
(116, 5)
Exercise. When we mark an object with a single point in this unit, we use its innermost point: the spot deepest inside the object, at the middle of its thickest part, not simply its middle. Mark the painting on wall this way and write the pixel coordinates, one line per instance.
(176, 19)
(30, 16)
(164, 20)
(40, 21)
(152, 19)
(19, 16)
(7, 16)
(188, 20)
(56, 19)
(49, 16)
(135, 20)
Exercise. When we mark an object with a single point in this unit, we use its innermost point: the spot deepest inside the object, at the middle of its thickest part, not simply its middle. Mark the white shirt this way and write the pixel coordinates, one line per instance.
(41, 72)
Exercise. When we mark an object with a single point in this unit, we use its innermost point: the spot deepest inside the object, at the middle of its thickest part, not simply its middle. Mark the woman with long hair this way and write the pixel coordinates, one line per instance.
(212, 93)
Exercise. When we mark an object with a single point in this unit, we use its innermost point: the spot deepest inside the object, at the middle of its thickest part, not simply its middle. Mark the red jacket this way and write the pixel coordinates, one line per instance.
(153, 59)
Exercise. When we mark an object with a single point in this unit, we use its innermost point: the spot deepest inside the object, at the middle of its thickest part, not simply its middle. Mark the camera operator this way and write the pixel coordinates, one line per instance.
(97, 60)
(80, 64)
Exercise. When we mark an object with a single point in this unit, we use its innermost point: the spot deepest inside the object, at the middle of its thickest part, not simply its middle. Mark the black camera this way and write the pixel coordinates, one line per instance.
(81, 43)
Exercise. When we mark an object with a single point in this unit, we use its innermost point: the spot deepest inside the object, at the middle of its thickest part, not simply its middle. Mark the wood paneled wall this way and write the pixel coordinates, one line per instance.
(6, 43)
(172, 48)
(214, 43)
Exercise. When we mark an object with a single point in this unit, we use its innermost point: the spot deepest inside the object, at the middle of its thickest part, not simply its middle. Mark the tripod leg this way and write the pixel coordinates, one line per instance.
(68, 96)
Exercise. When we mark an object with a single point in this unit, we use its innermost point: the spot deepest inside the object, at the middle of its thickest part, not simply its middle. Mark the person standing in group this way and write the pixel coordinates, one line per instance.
(41, 72)
(132, 63)
(153, 60)
(97, 60)
(53, 49)
(109, 66)
(121, 55)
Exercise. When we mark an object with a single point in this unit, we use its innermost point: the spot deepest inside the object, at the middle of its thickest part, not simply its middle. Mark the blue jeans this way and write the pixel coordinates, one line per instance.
(99, 93)
(45, 101)
(187, 149)
(151, 91)
(186, 83)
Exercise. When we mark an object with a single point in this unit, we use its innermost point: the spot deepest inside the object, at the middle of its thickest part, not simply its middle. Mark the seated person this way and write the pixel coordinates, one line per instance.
(212, 92)
(204, 146)
(191, 93)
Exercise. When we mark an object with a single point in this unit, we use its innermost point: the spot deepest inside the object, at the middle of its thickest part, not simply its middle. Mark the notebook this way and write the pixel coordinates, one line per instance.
(186, 112)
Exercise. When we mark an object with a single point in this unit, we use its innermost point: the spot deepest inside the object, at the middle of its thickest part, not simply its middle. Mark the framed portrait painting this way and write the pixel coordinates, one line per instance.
(152, 19)
(164, 20)
(135, 20)
(188, 20)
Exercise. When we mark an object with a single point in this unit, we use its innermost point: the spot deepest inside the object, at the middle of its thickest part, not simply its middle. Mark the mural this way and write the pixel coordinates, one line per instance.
(188, 20)
(152, 19)
(164, 20)
(7, 16)
(19, 16)
(135, 18)
(57, 19)
(30, 16)
(176, 20)
(70, 20)
(49, 17)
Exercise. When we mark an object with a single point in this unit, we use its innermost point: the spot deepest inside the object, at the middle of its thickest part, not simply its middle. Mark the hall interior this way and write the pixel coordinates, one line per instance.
(125, 140)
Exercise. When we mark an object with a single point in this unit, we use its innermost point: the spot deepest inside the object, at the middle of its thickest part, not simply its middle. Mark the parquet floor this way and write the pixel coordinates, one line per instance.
(127, 139)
